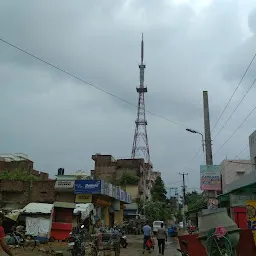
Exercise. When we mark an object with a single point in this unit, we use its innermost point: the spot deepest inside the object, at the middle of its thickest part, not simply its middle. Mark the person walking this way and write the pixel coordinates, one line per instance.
(161, 238)
(3, 245)
(147, 231)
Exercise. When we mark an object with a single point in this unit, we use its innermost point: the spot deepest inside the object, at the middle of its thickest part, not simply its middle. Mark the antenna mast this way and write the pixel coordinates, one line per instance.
(140, 148)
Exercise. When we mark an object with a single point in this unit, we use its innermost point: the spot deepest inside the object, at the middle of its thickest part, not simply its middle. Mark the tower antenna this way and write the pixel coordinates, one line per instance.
(140, 148)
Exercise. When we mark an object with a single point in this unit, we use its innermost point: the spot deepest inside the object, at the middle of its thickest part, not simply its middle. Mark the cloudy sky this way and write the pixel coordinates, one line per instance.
(190, 46)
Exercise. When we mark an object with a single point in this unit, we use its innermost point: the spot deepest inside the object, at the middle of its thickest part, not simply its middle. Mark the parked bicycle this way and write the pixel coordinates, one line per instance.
(20, 239)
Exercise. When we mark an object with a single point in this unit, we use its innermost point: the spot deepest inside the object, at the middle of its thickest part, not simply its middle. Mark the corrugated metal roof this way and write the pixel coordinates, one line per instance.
(13, 157)
(38, 208)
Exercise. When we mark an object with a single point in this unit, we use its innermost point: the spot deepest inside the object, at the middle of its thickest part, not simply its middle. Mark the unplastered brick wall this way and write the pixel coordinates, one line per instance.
(43, 191)
(25, 192)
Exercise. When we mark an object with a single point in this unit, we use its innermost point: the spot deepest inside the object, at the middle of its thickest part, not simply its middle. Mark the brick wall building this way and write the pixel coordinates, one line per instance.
(15, 194)
(111, 170)
(20, 162)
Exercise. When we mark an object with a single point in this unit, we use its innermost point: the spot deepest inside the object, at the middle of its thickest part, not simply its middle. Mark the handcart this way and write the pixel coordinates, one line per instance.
(108, 242)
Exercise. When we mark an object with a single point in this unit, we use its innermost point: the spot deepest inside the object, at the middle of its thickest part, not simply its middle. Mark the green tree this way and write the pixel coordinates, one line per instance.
(22, 175)
(158, 191)
(157, 211)
(194, 200)
(127, 179)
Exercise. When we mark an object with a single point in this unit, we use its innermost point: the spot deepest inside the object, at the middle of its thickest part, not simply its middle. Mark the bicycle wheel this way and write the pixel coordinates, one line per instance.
(29, 243)
(218, 247)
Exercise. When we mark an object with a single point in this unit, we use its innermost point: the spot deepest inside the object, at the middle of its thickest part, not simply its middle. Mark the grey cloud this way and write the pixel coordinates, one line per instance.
(60, 121)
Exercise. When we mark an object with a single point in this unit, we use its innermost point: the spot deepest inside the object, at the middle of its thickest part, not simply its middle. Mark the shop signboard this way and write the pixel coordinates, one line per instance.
(122, 195)
(114, 191)
(130, 199)
(240, 199)
(83, 198)
(118, 193)
(125, 197)
(65, 185)
(88, 186)
(110, 190)
(105, 188)
(251, 216)
(210, 178)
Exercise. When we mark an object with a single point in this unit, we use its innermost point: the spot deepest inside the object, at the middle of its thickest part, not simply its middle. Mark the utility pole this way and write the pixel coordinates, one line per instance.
(184, 196)
(208, 140)
(207, 130)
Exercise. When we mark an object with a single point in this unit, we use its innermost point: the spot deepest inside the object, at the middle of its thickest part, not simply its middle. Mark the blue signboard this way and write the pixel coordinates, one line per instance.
(122, 196)
(105, 188)
(88, 186)
(128, 198)
(114, 191)
(118, 193)
(125, 197)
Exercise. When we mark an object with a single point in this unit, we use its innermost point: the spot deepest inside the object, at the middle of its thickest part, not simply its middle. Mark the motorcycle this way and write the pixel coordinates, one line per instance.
(123, 239)
(192, 229)
(77, 242)
(184, 253)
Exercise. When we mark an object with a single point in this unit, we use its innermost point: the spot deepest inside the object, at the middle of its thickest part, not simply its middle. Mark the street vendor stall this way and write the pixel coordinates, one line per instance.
(62, 217)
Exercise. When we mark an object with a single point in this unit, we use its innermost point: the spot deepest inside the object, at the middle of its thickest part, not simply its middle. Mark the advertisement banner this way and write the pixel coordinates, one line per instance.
(114, 191)
(251, 216)
(240, 200)
(118, 193)
(87, 186)
(83, 198)
(110, 188)
(128, 198)
(212, 203)
(105, 188)
(125, 196)
(122, 195)
(210, 178)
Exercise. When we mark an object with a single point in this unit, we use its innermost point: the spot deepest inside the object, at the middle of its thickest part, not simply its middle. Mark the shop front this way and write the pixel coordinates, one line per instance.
(105, 197)
(102, 204)
(235, 202)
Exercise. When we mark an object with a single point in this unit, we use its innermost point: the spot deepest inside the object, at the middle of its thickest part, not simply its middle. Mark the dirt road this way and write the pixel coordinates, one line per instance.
(134, 248)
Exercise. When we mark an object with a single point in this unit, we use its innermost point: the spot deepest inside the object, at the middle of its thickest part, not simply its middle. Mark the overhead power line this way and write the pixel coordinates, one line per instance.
(86, 82)
(238, 127)
(241, 80)
(235, 109)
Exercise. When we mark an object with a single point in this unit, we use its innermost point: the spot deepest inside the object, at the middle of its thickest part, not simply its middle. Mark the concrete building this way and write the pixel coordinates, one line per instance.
(233, 170)
(109, 169)
(64, 185)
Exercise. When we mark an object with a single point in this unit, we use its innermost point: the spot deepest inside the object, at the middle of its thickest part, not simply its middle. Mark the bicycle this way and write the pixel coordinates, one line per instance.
(217, 245)
(26, 241)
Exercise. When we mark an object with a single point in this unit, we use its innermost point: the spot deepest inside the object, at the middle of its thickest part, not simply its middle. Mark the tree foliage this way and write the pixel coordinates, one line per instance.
(157, 211)
(22, 175)
(194, 200)
(128, 179)
(158, 191)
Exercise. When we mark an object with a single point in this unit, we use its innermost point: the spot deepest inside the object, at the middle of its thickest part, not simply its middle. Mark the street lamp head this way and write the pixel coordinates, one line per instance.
(190, 130)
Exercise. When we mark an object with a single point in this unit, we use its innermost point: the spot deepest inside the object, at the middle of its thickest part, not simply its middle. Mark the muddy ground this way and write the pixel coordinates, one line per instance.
(134, 248)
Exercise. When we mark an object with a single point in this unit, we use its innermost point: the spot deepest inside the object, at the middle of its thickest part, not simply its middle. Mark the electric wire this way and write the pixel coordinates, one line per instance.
(238, 127)
(235, 109)
(86, 82)
(134, 105)
(241, 80)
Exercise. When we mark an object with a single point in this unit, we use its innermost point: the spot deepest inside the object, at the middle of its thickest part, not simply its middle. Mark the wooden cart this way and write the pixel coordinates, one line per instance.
(108, 242)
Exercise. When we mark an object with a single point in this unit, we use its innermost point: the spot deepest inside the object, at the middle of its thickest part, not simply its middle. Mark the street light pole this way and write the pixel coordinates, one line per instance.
(193, 131)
